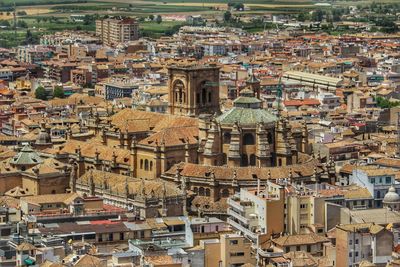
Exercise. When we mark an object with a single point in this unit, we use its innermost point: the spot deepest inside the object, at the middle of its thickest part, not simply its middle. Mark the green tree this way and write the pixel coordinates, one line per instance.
(5, 23)
(318, 15)
(227, 16)
(158, 19)
(58, 92)
(41, 93)
(29, 39)
(302, 17)
(239, 6)
(22, 24)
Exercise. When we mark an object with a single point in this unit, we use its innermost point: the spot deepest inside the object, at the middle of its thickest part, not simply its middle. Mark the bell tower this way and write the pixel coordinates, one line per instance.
(193, 89)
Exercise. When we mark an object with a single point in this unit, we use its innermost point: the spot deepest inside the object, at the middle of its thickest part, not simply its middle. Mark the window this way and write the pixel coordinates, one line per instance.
(356, 253)
(388, 180)
(227, 137)
(146, 165)
(141, 164)
(233, 242)
(303, 206)
(298, 248)
(110, 237)
(350, 254)
(350, 242)
(372, 180)
(237, 254)
(248, 139)
(308, 248)
(121, 236)
(356, 241)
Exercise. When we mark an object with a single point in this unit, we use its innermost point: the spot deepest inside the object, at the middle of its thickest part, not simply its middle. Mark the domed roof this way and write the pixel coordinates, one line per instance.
(391, 196)
(27, 156)
(43, 137)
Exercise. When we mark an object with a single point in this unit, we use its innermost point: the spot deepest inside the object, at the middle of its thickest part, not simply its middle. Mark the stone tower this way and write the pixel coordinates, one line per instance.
(193, 89)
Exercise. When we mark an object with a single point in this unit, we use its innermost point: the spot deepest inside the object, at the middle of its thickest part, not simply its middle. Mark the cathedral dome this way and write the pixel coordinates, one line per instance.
(391, 196)
(27, 157)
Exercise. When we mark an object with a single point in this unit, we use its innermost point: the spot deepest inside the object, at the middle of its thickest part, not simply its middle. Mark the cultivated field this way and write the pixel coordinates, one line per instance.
(34, 11)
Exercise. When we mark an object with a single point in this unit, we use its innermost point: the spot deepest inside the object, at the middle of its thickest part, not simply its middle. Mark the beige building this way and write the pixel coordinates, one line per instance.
(229, 250)
(114, 31)
(312, 243)
(258, 213)
(305, 212)
(363, 241)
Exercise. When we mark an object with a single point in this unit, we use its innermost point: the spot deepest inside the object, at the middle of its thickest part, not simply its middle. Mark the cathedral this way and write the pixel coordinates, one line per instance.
(203, 151)
(245, 135)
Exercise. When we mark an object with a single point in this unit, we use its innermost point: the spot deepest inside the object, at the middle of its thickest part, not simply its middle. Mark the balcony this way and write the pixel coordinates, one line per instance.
(241, 218)
(267, 254)
(235, 204)
(245, 231)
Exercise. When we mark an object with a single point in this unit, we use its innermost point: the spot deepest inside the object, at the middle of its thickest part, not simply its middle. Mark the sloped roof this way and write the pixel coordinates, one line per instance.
(293, 240)
(27, 156)
(246, 116)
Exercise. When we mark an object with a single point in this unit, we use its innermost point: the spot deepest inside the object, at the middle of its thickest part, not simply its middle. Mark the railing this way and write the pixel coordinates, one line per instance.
(267, 254)
(245, 231)
(233, 213)
(235, 204)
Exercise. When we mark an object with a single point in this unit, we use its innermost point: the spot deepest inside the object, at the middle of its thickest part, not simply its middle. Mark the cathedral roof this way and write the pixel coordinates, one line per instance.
(27, 156)
(117, 182)
(246, 116)
(173, 136)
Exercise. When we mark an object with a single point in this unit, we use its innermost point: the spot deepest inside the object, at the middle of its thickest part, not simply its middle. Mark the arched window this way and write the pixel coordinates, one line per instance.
(141, 164)
(201, 191)
(203, 95)
(248, 139)
(227, 138)
(225, 193)
(252, 160)
(195, 190)
(151, 165)
(208, 192)
(209, 96)
(179, 91)
(146, 165)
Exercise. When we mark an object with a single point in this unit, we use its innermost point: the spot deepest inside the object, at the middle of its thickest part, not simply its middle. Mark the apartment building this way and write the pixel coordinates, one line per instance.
(119, 87)
(376, 180)
(305, 211)
(114, 31)
(258, 213)
(230, 250)
(363, 242)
